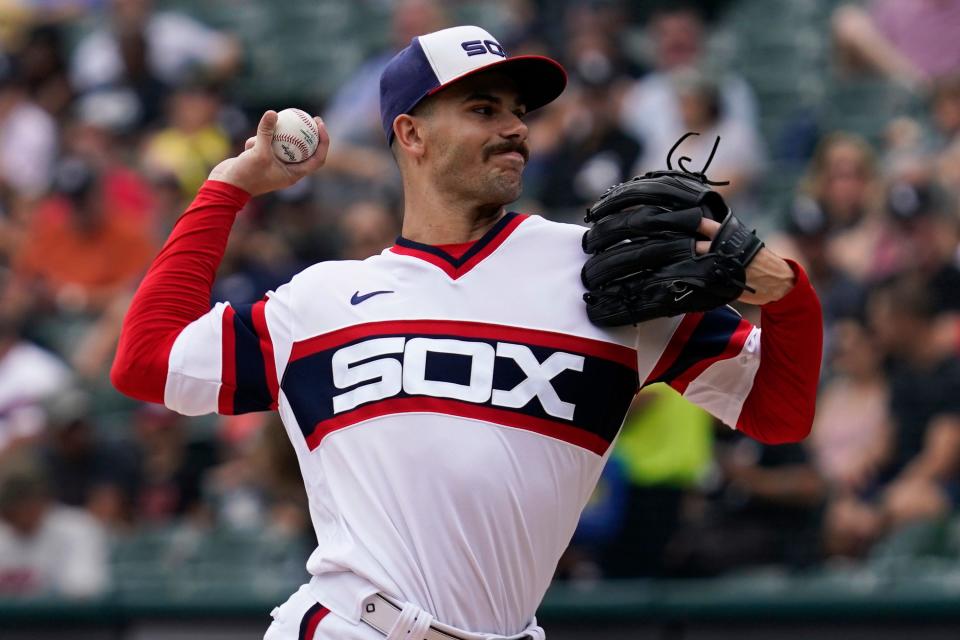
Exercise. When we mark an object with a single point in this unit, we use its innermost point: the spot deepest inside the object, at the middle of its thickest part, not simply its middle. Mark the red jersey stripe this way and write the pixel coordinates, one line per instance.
(420, 404)
(228, 376)
(625, 356)
(311, 619)
(675, 346)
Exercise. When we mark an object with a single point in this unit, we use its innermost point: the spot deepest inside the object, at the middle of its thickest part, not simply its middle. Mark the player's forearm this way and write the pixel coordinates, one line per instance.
(770, 276)
(781, 403)
(175, 291)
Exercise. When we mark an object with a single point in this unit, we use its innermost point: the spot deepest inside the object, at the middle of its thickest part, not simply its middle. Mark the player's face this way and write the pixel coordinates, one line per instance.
(477, 141)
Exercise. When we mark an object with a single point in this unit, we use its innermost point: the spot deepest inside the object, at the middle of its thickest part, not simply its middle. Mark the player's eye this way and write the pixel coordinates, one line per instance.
(484, 110)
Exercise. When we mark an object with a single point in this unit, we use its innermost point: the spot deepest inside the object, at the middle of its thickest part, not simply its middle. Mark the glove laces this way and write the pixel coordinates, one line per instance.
(699, 175)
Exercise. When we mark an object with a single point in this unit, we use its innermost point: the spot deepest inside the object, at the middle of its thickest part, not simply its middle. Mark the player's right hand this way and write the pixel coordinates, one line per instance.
(257, 170)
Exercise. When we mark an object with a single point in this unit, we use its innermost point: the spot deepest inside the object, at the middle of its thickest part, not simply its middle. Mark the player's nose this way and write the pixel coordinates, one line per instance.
(515, 129)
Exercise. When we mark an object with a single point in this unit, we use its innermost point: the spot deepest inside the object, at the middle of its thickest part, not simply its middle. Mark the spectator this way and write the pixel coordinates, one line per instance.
(174, 46)
(917, 480)
(945, 110)
(193, 141)
(234, 490)
(594, 151)
(26, 132)
(651, 109)
(740, 157)
(304, 224)
(843, 188)
(807, 239)
(171, 468)
(96, 135)
(911, 43)
(250, 489)
(928, 229)
(78, 249)
(43, 65)
(358, 161)
(353, 114)
(259, 257)
(84, 471)
(135, 99)
(47, 549)
(29, 377)
(764, 509)
(851, 434)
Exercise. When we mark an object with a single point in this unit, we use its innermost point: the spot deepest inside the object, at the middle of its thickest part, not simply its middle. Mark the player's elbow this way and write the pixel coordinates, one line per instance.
(122, 378)
(770, 428)
(135, 381)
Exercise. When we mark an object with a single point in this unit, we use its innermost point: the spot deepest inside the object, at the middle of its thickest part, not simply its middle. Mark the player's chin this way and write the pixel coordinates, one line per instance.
(506, 187)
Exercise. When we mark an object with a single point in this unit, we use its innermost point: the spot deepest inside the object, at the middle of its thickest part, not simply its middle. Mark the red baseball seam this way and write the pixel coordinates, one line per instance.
(309, 122)
(284, 137)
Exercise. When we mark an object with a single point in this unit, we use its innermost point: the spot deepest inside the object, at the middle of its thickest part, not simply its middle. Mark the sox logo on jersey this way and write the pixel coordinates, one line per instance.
(370, 364)
(566, 387)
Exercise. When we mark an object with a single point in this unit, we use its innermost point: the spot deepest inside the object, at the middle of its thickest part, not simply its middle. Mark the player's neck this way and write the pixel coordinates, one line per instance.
(432, 219)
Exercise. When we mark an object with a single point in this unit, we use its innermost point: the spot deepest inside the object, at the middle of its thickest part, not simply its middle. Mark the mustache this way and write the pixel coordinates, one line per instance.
(505, 147)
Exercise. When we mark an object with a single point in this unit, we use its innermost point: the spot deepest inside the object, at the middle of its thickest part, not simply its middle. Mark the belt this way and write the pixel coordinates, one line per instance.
(382, 614)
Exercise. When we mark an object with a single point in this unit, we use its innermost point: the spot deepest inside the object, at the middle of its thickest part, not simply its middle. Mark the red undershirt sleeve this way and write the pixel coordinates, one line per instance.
(175, 291)
(782, 401)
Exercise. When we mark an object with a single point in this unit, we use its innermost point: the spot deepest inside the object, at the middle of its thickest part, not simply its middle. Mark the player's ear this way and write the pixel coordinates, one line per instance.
(408, 134)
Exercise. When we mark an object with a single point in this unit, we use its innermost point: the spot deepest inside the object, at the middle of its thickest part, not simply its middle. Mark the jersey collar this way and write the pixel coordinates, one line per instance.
(456, 267)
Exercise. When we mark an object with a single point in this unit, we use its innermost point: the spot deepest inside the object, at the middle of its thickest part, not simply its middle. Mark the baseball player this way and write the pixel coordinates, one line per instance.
(450, 403)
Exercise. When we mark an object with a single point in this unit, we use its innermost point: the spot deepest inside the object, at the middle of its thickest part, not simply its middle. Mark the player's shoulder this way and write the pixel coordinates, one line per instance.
(326, 269)
(335, 274)
(538, 227)
(546, 225)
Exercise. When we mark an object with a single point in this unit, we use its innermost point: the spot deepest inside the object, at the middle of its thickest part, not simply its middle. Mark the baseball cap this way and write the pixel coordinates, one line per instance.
(436, 60)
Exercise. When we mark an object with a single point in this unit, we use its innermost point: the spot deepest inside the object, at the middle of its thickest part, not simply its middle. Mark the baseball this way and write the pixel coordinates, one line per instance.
(296, 137)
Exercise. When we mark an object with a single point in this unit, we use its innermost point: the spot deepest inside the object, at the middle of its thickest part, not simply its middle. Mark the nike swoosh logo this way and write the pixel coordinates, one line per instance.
(679, 298)
(357, 298)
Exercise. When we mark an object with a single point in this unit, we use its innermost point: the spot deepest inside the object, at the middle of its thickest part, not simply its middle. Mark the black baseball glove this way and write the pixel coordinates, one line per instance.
(643, 263)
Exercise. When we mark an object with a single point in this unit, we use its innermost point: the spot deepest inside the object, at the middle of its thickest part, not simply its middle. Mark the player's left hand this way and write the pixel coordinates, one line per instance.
(257, 170)
(768, 274)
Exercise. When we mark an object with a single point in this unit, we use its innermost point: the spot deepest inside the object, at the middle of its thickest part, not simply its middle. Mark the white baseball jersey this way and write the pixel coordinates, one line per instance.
(450, 415)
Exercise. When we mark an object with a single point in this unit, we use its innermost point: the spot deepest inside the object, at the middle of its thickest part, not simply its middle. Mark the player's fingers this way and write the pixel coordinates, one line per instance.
(702, 247)
(708, 228)
(324, 144)
(264, 139)
(249, 143)
(315, 161)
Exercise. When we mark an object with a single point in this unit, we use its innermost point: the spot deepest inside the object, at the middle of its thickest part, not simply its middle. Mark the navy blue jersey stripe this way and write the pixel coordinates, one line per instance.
(472, 251)
(708, 340)
(252, 392)
(310, 620)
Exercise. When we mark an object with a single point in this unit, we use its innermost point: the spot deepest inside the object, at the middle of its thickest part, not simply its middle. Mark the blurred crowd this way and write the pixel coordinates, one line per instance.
(112, 113)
